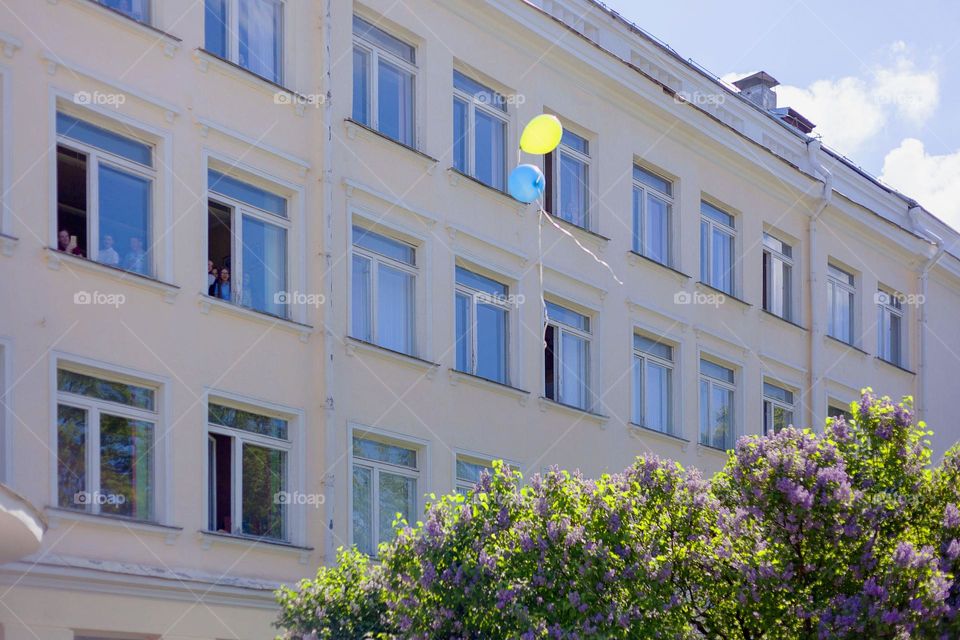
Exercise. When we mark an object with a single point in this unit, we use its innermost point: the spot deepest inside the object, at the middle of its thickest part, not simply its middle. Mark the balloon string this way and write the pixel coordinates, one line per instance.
(543, 300)
(574, 238)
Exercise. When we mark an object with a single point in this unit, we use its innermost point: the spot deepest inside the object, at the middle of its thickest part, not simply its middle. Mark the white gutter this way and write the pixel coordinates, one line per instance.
(920, 392)
(815, 269)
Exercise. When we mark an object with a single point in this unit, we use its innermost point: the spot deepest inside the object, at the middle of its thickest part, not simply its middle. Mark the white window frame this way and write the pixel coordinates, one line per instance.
(770, 254)
(374, 259)
(558, 369)
(375, 53)
(770, 402)
(95, 156)
(233, 39)
(6, 409)
(420, 474)
(474, 105)
(847, 287)
(646, 357)
(588, 222)
(640, 226)
(294, 526)
(478, 297)
(162, 464)
(889, 303)
(727, 386)
(731, 232)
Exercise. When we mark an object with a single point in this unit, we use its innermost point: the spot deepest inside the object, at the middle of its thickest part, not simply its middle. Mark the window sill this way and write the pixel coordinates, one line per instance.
(353, 128)
(638, 259)
(170, 42)
(205, 59)
(640, 431)
(744, 305)
(708, 450)
(458, 177)
(209, 538)
(769, 314)
(209, 302)
(895, 365)
(581, 232)
(8, 244)
(462, 376)
(57, 514)
(56, 258)
(547, 403)
(355, 344)
(847, 345)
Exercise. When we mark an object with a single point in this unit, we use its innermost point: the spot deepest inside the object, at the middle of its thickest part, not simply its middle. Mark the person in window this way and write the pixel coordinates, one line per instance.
(136, 258)
(108, 255)
(212, 273)
(221, 288)
(68, 243)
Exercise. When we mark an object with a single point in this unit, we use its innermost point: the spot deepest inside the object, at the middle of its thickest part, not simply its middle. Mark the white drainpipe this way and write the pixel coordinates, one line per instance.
(814, 271)
(920, 392)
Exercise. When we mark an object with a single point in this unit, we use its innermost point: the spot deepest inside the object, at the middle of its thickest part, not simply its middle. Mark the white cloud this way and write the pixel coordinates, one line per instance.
(932, 180)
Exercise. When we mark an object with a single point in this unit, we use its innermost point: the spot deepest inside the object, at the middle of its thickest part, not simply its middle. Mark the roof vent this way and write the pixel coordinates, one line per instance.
(758, 89)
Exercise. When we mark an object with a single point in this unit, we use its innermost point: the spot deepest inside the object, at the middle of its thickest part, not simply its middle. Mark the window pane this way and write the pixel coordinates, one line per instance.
(247, 421)
(489, 149)
(574, 192)
(261, 40)
(840, 274)
(395, 103)
(642, 343)
(464, 330)
(383, 245)
(483, 94)
(361, 311)
(397, 495)
(656, 234)
(361, 86)
(782, 418)
(71, 457)
(470, 472)
(383, 452)
(705, 424)
(104, 139)
(714, 370)
(215, 27)
(705, 251)
(657, 396)
(264, 477)
(264, 267)
(721, 419)
(722, 267)
(476, 281)
(778, 393)
(382, 39)
(125, 221)
(394, 309)
(139, 10)
(575, 142)
(636, 414)
(638, 224)
(652, 180)
(246, 192)
(363, 509)
(126, 467)
(573, 377)
(492, 342)
(122, 393)
(894, 338)
(570, 318)
(460, 135)
(716, 214)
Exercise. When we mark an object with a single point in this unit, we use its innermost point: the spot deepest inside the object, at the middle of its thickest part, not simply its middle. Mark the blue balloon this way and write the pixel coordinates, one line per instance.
(526, 183)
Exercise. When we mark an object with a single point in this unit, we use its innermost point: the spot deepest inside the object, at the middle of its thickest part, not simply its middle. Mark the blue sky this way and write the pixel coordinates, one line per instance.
(880, 78)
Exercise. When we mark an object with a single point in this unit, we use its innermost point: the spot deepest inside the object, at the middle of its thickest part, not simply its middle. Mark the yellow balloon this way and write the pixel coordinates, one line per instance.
(542, 134)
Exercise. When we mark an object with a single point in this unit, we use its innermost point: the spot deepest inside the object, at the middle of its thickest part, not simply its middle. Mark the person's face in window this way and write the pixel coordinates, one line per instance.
(63, 238)
(135, 245)
(210, 268)
(225, 274)
(108, 242)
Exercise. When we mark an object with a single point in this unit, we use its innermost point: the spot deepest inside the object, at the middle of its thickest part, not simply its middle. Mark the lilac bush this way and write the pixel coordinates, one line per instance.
(848, 533)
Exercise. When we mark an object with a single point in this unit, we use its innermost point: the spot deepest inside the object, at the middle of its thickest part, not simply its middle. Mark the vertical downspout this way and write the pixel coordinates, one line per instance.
(920, 392)
(814, 270)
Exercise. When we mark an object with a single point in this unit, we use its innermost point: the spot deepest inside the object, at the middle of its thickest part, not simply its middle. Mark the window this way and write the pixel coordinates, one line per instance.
(106, 445)
(139, 10)
(716, 405)
(652, 384)
(840, 304)
(777, 277)
(890, 327)
(247, 472)
(248, 33)
(384, 74)
(568, 196)
(567, 357)
(482, 329)
(652, 215)
(247, 230)
(384, 484)
(105, 184)
(836, 411)
(384, 277)
(479, 131)
(469, 470)
(777, 408)
(717, 242)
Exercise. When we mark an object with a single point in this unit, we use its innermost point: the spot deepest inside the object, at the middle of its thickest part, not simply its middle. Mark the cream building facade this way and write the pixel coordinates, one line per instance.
(172, 449)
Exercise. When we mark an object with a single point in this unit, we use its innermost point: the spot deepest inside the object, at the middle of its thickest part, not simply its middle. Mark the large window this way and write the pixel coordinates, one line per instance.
(568, 170)
(652, 214)
(890, 327)
(384, 485)
(247, 229)
(777, 408)
(567, 357)
(479, 131)
(105, 184)
(247, 472)
(139, 10)
(482, 313)
(717, 243)
(652, 384)
(777, 277)
(717, 386)
(384, 78)
(841, 296)
(106, 445)
(248, 33)
(382, 295)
